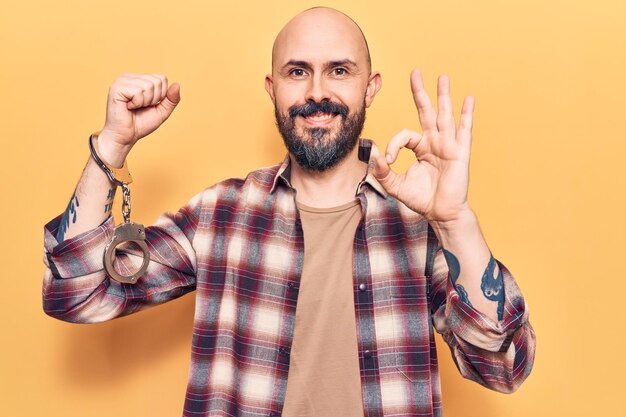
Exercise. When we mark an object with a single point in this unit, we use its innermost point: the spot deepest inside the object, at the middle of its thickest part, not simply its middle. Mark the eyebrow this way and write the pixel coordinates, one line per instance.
(307, 65)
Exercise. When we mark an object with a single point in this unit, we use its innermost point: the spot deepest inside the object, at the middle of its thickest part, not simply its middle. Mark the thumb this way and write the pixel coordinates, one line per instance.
(383, 172)
(171, 100)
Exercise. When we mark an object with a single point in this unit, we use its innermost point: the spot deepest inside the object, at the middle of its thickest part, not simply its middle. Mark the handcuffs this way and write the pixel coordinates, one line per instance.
(127, 231)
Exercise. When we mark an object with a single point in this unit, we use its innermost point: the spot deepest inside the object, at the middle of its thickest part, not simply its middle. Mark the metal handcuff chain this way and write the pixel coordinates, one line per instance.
(127, 231)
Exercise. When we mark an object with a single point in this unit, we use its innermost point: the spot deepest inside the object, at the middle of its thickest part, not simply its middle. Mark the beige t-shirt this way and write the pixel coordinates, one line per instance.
(324, 377)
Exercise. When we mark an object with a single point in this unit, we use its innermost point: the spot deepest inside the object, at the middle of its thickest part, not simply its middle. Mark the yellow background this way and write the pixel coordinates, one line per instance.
(547, 175)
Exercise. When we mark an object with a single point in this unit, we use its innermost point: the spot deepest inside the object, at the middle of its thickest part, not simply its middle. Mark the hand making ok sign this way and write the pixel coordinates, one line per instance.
(436, 184)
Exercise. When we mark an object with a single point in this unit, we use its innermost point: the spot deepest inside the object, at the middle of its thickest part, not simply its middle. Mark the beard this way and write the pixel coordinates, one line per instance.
(319, 150)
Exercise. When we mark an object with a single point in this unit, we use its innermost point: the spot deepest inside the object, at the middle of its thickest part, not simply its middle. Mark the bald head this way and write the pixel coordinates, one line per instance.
(321, 84)
(320, 28)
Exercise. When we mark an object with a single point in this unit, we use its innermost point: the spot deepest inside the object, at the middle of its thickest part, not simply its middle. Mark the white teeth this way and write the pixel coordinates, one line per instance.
(318, 117)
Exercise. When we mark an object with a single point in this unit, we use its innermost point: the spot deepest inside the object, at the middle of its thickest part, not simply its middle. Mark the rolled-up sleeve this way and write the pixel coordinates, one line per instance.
(76, 287)
(498, 355)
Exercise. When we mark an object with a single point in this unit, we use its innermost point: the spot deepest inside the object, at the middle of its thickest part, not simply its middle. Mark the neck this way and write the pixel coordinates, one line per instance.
(330, 188)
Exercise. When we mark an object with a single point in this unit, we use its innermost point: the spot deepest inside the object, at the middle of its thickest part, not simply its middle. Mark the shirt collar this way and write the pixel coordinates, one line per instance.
(283, 175)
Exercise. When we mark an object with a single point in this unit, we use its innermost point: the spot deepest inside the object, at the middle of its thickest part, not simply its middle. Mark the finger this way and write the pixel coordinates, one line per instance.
(149, 92)
(445, 117)
(467, 119)
(151, 88)
(383, 173)
(427, 114)
(171, 100)
(403, 139)
(163, 84)
(138, 91)
(133, 95)
(157, 89)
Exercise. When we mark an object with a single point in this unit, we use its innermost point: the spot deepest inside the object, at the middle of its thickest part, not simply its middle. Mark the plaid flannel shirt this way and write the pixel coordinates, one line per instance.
(239, 244)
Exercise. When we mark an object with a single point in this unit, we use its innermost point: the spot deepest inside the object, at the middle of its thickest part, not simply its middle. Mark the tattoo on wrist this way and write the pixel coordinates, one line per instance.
(454, 268)
(69, 215)
(492, 285)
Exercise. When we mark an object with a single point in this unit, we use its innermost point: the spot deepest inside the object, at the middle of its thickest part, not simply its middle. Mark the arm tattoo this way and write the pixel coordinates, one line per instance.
(110, 196)
(454, 269)
(492, 285)
(463, 295)
(70, 213)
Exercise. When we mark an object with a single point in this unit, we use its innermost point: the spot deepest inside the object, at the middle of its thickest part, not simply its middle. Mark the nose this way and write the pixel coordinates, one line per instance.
(317, 90)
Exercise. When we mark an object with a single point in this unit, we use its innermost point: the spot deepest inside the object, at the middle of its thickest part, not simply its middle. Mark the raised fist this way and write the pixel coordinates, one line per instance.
(136, 106)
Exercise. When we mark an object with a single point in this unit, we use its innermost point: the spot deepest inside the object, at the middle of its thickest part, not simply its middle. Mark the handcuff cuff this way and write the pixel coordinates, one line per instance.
(124, 232)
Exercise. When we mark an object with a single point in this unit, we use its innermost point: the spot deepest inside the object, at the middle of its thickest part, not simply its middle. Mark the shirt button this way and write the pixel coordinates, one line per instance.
(292, 285)
(367, 354)
(283, 350)
(362, 287)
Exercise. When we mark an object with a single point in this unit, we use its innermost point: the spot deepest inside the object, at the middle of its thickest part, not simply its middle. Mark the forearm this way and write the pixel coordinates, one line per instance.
(473, 271)
(92, 201)
(497, 352)
(76, 287)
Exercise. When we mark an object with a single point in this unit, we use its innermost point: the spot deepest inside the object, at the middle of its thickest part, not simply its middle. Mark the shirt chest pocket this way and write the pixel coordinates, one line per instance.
(411, 329)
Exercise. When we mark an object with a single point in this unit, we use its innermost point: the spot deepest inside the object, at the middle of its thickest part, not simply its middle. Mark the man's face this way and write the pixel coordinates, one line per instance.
(320, 85)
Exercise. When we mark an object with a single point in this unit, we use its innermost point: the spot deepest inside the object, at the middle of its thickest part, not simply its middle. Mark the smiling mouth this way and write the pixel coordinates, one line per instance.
(320, 117)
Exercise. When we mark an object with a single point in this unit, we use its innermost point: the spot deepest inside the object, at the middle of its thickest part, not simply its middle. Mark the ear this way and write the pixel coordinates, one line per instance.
(269, 87)
(373, 85)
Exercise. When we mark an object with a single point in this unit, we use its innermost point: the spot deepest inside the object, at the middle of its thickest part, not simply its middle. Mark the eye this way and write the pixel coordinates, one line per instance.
(297, 72)
(340, 71)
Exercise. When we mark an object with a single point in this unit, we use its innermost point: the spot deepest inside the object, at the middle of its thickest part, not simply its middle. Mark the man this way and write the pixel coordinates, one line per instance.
(319, 281)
